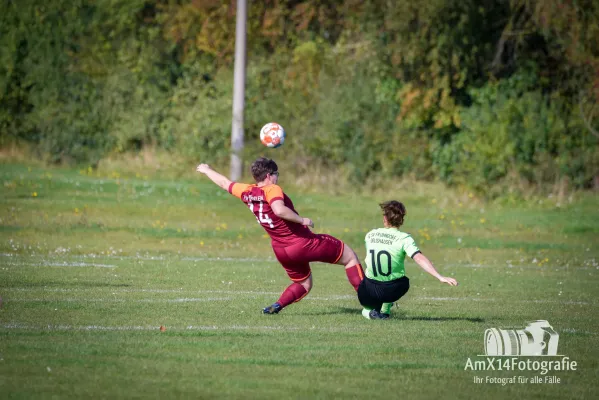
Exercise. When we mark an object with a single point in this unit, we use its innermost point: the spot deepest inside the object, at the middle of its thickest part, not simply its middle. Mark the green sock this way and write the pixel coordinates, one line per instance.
(386, 308)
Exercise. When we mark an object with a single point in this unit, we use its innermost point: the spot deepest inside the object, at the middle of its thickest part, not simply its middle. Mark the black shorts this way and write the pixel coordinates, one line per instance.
(373, 294)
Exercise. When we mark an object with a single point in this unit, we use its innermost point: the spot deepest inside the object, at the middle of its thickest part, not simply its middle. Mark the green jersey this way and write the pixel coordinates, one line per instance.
(386, 250)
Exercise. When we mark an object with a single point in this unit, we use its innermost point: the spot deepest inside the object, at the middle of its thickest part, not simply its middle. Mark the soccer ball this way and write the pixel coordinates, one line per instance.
(272, 135)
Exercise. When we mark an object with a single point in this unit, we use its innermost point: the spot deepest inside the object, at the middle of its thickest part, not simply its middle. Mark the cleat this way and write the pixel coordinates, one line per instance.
(374, 314)
(272, 309)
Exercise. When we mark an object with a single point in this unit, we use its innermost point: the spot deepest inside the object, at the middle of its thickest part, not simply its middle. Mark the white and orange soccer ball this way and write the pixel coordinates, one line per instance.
(272, 135)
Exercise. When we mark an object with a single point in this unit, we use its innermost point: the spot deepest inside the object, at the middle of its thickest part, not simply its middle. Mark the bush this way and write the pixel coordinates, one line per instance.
(511, 127)
(197, 122)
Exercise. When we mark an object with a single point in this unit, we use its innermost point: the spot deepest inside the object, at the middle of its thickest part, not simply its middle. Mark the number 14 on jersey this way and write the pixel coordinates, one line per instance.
(260, 217)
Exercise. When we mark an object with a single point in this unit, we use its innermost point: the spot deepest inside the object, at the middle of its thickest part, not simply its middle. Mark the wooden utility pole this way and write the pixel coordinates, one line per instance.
(238, 92)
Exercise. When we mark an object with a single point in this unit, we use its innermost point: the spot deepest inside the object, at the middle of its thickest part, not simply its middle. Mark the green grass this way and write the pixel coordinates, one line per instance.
(91, 266)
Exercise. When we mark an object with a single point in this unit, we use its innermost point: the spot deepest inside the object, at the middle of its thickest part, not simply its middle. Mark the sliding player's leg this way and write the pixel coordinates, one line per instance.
(386, 308)
(369, 298)
(378, 297)
(399, 288)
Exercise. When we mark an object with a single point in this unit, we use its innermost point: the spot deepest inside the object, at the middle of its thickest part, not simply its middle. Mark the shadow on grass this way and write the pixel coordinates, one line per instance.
(417, 318)
(398, 315)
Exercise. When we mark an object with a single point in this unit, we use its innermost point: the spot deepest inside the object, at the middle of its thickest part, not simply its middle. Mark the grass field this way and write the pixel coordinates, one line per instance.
(91, 265)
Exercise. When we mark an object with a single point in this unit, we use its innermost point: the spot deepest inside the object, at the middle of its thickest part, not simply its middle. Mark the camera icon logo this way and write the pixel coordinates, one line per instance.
(537, 339)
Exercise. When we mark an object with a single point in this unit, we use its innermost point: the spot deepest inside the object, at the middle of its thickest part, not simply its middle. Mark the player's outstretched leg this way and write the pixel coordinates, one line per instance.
(353, 269)
(272, 309)
(294, 293)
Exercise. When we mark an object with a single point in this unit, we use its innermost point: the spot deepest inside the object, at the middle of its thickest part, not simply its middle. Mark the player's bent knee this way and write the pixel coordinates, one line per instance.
(349, 257)
(307, 283)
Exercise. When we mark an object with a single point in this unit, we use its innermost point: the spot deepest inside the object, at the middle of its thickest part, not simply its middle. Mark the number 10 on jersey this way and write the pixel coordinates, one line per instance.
(377, 263)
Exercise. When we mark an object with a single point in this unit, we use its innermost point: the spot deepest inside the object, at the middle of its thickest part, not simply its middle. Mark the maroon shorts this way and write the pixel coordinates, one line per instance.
(296, 258)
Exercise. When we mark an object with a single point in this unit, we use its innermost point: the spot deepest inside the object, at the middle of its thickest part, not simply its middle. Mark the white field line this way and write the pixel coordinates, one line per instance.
(492, 299)
(254, 294)
(244, 259)
(273, 260)
(572, 330)
(181, 300)
(144, 258)
(523, 267)
(61, 264)
(20, 326)
(80, 264)
(116, 290)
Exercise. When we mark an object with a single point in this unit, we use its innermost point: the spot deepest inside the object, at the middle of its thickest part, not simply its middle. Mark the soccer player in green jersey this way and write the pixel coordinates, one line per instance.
(385, 278)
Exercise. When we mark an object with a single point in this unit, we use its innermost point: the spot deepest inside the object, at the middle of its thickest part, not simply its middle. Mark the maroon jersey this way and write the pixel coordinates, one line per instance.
(282, 232)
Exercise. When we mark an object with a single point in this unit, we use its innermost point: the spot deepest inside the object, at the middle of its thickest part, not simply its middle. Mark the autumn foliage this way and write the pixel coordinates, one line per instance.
(476, 93)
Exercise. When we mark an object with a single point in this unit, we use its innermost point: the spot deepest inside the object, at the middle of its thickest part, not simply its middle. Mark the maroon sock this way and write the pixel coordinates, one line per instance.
(294, 292)
(355, 275)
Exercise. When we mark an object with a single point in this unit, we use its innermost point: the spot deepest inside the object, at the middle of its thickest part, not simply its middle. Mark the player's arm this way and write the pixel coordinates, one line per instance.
(427, 265)
(214, 176)
(286, 213)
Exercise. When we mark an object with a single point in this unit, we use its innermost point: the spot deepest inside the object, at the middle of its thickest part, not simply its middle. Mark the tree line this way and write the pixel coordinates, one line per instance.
(482, 94)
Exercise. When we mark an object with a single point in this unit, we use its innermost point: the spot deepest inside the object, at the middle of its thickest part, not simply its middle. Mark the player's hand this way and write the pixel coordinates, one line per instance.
(449, 281)
(307, 222)
(203, 168)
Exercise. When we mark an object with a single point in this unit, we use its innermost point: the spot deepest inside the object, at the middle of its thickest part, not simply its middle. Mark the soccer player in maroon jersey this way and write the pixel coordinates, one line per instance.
(294, 244)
